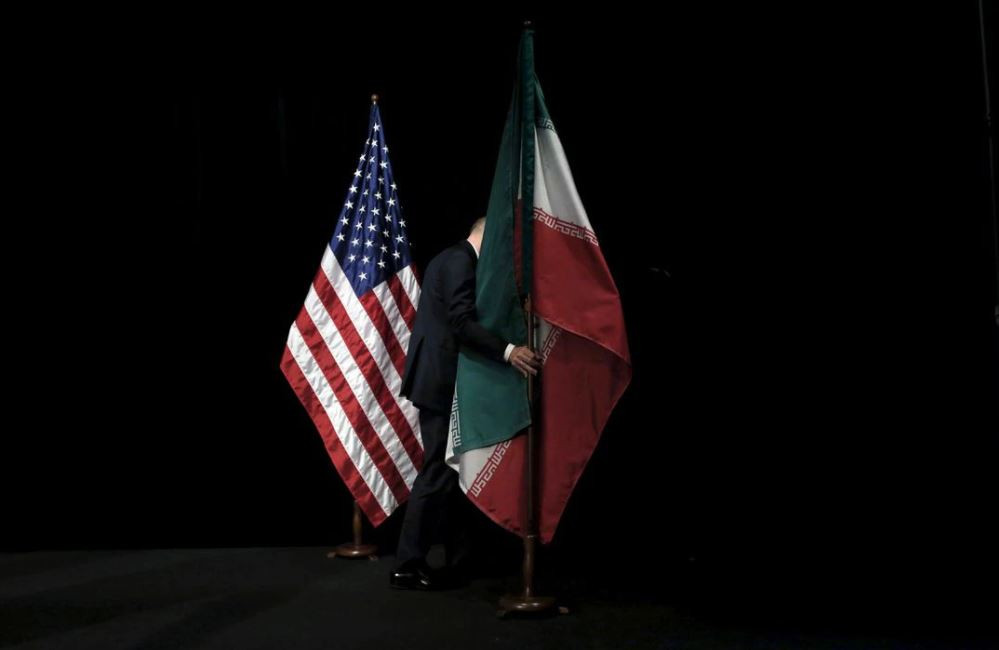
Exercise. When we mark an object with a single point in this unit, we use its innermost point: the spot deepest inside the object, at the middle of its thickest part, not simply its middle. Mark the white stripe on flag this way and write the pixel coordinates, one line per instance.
(554, 190)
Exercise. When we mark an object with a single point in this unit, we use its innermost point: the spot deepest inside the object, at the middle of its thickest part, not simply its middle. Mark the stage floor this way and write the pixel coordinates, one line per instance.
(295, 598)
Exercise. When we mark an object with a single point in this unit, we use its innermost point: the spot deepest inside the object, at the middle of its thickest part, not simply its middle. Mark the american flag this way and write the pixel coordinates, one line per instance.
(346, 350)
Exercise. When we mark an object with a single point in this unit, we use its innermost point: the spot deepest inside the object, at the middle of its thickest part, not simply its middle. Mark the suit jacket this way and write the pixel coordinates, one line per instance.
(445, 319)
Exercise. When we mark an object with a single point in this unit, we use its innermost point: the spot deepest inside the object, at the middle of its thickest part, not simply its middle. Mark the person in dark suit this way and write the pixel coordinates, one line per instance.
(445, 320)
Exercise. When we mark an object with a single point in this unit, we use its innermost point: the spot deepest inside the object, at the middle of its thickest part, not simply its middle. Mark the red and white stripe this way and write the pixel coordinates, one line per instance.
(344, 359)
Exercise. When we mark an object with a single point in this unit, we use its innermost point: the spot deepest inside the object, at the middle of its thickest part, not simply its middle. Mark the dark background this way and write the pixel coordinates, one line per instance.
(813, 418)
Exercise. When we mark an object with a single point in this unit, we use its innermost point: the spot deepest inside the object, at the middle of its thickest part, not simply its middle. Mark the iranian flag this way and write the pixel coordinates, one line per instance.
(551, 252)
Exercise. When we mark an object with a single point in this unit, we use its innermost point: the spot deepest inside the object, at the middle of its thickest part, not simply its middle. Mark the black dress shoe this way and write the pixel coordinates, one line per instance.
(418, 576)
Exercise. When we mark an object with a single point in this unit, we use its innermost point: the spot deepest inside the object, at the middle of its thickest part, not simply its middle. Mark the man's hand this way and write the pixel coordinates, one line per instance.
(524, 360)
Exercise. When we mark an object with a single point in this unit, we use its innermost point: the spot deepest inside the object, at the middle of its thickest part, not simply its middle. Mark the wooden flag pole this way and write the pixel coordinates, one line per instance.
(527, 601)
(357, 548)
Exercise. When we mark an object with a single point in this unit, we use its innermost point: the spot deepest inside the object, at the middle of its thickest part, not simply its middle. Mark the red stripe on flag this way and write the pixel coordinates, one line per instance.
(344, 466)
(381, 322)
(498, 490)
(351, 408)
(402, 300)
(368, 367)
(573, 418)
(574, 289)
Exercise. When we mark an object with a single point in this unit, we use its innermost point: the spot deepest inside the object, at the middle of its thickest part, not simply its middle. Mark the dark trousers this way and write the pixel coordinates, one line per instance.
(436, 505)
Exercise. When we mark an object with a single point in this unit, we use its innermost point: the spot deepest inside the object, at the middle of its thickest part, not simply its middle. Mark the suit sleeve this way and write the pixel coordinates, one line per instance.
(459, 293)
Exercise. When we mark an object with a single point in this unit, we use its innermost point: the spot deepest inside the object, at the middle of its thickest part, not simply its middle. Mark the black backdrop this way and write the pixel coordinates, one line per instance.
(813, 409)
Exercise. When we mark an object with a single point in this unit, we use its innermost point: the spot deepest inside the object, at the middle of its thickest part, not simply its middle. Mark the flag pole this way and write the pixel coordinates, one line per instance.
(989, 130)
(357, 548)
(527, 601)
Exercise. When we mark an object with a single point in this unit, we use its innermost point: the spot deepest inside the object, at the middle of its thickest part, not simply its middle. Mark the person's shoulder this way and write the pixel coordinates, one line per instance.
(447, 260)
(459, 252)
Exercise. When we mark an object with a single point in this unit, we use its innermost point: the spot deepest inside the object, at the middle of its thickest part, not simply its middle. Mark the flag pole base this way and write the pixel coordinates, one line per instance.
(527, 605)
(353, 551)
